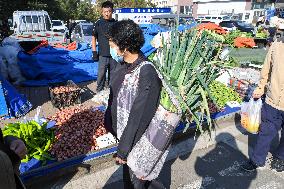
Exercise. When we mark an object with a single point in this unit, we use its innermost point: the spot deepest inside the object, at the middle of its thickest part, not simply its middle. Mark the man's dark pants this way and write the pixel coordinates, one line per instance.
(272, 121)
(105, 64)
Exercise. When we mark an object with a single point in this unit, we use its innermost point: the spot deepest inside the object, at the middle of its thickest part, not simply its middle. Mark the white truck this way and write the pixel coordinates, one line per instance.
(34, 26)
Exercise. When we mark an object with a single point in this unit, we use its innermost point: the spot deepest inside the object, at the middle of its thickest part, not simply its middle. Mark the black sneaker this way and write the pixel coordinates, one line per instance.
(277, 165)
(250, 166)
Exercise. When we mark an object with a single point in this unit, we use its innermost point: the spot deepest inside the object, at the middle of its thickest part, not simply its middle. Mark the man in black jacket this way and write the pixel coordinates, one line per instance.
(101, 28)
(12, 150)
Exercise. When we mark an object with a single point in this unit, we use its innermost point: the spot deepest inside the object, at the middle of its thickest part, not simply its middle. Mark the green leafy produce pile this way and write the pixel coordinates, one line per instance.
(188, 64)
(231, 36)
(223, 94)
(261, 35)
(36, 137)
(215, 36)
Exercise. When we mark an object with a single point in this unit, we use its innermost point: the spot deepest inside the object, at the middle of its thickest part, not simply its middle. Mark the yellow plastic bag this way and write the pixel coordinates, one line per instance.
(251, 115)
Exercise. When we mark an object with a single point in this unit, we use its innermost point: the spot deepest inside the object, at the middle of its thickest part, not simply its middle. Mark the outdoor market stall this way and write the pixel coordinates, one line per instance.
(189, 63)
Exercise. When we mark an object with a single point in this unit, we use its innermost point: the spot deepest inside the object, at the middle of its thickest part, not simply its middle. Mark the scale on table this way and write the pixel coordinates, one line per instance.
(3, 106)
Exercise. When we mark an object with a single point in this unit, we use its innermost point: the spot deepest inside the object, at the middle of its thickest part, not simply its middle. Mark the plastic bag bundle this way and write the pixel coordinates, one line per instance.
(10, 54)
(3, 68)
(251, 115)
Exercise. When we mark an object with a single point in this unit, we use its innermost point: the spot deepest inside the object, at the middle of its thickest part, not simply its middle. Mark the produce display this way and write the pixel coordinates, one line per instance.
(76, 131)
(37, 138)
(232, 35)
(65, 94)
(223, 94)
(212, 107)
(211, 26)
(241, 42)
(261, 33)
(215, 36)
(63, 89)
(234, 38)
(247, 74)
(189, 65)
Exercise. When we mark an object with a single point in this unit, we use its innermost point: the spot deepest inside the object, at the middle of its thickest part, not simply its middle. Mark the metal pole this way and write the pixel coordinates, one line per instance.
(178, 16)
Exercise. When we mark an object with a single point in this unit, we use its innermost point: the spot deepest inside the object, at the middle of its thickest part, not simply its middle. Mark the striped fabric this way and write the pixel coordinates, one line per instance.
(147, 157)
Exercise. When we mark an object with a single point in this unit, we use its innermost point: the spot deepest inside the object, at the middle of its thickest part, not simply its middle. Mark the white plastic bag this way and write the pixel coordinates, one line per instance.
(3, 68)
(101, 98)
(251, 115)
(105, 140)
(10, 54)
(11, 42)
(158, 39)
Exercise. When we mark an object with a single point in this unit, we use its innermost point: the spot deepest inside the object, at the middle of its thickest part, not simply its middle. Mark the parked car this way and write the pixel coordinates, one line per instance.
(230, 25)
(59, 26)
(80, 21)
(171, 19)
(82, 32)
(213, 18)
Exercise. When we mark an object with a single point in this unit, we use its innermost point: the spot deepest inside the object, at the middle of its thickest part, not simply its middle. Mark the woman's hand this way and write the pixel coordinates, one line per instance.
(19, 147)
(119, 161)
(142, 178)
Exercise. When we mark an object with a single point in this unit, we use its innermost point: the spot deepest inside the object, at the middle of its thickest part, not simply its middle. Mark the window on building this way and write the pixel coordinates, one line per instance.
(181, 9)
(188, 9)
(247, 16)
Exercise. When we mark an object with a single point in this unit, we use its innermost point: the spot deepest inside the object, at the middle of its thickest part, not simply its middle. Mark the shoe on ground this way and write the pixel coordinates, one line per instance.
(250, 166)
(277, 165)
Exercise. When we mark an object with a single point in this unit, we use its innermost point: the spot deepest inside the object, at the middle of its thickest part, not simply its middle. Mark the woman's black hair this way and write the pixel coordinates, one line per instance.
(107, 4)
(126, 34)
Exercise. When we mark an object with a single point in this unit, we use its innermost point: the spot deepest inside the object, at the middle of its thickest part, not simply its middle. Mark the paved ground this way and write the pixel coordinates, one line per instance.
(191, 164)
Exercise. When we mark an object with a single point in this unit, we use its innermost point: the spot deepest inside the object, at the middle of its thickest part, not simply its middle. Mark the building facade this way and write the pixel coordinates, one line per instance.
(205, 7)
(177, 6)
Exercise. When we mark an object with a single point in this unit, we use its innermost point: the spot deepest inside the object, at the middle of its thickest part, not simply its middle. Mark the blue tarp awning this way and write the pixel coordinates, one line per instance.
(52, 65)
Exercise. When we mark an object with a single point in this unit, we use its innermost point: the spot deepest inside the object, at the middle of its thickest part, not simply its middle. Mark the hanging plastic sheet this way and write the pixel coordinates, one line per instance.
(17, 103)
(52, 65)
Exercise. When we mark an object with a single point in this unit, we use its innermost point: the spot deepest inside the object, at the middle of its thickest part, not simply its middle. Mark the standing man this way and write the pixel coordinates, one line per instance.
(272, 112)
(102, 54)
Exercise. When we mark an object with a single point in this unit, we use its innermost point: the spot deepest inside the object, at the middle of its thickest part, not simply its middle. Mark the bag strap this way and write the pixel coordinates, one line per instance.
(165, 85)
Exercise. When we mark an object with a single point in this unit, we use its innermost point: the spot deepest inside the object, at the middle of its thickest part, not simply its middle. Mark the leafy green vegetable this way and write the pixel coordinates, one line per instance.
(223, 94)
(36, 137)
(188, 64)
(231, 36)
